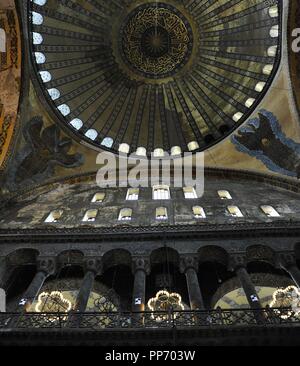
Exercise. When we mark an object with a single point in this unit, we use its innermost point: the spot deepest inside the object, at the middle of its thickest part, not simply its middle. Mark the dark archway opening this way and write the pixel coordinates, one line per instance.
(211, 275)
(120, 279)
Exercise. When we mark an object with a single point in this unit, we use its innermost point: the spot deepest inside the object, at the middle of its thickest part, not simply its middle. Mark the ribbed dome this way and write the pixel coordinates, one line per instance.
(150, 76)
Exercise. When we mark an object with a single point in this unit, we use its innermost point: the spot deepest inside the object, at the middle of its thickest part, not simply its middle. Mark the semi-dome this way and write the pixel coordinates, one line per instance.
(154, 75)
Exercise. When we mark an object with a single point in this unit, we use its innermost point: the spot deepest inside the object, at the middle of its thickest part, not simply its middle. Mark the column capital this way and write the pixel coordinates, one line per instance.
(286, 260)
(189, 261)
(46, 264)
(141, 264)
(237, 261)
(93, 264)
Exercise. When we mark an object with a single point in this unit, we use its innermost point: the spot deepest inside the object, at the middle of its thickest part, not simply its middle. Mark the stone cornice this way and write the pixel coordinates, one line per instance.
(207, 231)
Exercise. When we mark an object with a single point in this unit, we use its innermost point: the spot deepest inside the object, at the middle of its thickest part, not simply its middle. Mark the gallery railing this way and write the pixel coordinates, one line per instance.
(171, 319)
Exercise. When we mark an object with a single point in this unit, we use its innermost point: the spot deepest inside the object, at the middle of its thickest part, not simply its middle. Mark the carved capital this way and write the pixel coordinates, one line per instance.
(189, 262)
(237, 261)
(260, 253)
(93, 265)
(46, 265)
(141, 264)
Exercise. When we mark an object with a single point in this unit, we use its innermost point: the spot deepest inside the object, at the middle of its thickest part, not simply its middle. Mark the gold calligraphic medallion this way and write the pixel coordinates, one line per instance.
(156, 41)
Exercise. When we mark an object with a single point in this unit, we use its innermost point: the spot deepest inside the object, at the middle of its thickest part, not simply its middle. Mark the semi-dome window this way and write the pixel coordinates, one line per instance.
(249, 102)
(259, 87)
(124, 148)
(54, 216)
(161, 192)
(237, 116)
(274, 32)
(46, 76)
(90, 216)
(190, 193)
(161, 213)
(234, 211)
(91, 134)
(37, 18)
(40, 58)
(273, 11)
(40, 2)
(132, 194)
(267, 70)
(272, 51)
(159, 153)
(199, 212)
(76, 123)
(98, 197)
(125, 214)
(54, 93)
(37, 38)
(141, 151)
(192, 146)
(176, 150)
(107, 142)
(269, 211)
(64, 109)
(224, 195)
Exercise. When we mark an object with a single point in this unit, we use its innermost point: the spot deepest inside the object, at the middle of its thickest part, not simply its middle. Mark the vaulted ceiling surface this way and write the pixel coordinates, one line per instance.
(143, 75)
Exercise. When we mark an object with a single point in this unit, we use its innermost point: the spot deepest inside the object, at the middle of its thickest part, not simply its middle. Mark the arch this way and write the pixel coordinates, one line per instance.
(212, 254)
(163, 254)
(260, 253)
(116, 257)
(23, 256)
(72, 257)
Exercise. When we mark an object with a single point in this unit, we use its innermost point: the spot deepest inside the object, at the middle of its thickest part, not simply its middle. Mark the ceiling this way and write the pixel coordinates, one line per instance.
(225, 59)
(145, 76)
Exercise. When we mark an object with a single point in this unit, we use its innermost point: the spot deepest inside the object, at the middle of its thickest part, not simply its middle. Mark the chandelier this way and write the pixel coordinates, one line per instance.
(288, 298)
(165, 301)
(53, 302)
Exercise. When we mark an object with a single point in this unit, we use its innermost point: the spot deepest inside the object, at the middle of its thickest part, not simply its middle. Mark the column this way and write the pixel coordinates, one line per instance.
(93, 268)
(45, 268)
(141, 268)
(189, 266)
(249, 288)
(3, 268)
(238, 264)
(288, 263)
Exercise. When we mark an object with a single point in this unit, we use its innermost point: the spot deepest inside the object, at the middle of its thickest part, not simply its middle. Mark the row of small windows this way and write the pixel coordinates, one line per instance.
(160, 192)
(92, 134)
(161, 213)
